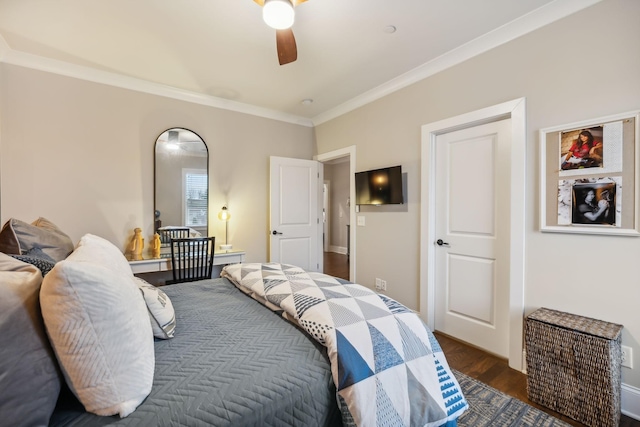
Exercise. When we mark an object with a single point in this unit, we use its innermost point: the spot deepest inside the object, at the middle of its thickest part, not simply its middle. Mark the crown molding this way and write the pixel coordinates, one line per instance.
(538, 18)
(532, 21)
(22, 59)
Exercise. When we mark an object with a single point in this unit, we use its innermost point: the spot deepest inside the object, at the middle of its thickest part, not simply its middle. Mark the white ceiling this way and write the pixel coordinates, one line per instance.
(220, 52)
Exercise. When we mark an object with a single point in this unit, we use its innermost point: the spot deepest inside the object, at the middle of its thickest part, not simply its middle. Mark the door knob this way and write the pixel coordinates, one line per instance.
(440, 242)
(275, 232)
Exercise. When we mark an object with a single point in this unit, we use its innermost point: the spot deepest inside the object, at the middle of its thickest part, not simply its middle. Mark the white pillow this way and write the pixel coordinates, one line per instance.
(98, 250)
(98, 325)
(161, 312)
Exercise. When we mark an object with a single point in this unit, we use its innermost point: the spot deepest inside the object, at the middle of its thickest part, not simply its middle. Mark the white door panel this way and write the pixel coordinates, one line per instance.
(296, 202)
(296, 205)
(296, 251)
(471, 175)
(472, 289)
(474, 303)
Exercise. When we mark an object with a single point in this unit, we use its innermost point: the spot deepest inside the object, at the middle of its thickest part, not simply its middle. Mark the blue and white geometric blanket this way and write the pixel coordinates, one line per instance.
(387, 366)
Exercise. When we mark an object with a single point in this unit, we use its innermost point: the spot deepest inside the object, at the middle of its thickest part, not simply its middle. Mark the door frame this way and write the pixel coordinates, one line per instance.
(326, 204)
(349, 151)
(516, 111)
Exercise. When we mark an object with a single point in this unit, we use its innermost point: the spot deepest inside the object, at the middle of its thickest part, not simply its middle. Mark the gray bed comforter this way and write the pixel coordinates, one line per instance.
(232, 362)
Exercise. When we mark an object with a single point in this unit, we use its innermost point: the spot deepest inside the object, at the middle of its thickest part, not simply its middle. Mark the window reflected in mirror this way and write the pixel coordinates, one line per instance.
(181, 183)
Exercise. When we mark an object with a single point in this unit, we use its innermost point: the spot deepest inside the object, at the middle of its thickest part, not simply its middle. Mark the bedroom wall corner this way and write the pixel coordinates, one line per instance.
(563, 81)
(81, 154)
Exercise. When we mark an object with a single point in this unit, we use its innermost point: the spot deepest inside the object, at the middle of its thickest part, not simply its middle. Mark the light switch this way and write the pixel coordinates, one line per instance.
(361, 221)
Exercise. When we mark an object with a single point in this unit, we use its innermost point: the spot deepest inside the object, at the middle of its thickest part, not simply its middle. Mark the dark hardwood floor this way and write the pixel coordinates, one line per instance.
(336, 265)
(496, 372)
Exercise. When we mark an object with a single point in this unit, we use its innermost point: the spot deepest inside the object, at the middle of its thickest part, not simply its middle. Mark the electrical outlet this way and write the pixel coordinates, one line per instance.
(627, 357)
(378, 284)
(383, 285)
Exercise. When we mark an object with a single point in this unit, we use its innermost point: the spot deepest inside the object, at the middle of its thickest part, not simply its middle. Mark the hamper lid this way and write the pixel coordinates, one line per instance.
(570, 321)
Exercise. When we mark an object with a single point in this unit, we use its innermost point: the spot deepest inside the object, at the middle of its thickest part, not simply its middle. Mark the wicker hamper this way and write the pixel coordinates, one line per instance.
(574, 366)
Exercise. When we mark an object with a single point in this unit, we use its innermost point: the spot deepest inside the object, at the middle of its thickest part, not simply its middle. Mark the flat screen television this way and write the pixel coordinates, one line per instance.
(379, 186)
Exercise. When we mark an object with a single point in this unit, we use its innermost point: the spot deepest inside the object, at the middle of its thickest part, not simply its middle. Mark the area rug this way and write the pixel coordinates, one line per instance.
(491, 407)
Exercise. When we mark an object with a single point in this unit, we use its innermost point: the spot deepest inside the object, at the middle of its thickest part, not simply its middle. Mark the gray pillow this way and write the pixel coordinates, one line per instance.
(38, 253)
(43, 265)
(18, 237)
(29, 375)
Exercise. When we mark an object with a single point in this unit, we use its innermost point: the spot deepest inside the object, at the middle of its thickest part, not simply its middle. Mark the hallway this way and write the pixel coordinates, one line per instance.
(336, 264)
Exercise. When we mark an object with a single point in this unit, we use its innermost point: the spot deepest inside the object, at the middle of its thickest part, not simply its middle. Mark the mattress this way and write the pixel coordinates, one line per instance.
(232, 362)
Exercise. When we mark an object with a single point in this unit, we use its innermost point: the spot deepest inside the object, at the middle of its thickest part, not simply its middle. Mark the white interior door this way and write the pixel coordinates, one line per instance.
(472, 231)
(296, 212)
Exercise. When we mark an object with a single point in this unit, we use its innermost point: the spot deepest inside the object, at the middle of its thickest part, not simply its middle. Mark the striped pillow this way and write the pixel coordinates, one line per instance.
(161, 312)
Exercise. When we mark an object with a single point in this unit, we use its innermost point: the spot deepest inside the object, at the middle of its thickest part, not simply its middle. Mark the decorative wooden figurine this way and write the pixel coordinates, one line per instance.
(134, 249)
(155, 246)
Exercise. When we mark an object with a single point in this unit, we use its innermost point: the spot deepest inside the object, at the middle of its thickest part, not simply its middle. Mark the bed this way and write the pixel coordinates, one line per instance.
(257, 347)
(231, 363)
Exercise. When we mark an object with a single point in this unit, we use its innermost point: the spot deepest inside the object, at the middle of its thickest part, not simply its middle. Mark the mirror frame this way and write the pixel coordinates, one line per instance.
(155, 175)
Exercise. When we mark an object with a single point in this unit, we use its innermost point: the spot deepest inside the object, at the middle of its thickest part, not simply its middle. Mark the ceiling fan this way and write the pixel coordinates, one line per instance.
(279, 14)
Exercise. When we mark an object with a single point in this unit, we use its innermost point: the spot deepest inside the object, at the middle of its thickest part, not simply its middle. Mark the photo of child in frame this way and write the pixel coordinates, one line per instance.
(582, 148)
(594, 203)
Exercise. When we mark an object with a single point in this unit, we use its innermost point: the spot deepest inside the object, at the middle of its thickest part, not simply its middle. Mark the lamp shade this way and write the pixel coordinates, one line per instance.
(278, 14)
(224, 214)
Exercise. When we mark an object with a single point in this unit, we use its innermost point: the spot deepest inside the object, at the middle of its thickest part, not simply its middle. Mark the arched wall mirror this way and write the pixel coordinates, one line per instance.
(181, 182)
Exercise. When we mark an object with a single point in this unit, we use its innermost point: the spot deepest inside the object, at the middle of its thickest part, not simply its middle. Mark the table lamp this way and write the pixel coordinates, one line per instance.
(225, 216)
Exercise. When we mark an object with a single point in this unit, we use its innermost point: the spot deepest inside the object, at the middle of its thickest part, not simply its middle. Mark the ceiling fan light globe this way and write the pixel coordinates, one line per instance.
(278, 14)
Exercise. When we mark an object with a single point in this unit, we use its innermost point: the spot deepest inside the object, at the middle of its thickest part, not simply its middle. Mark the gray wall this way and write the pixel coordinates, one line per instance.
(81, 154)
(582, 67)
(338, 176)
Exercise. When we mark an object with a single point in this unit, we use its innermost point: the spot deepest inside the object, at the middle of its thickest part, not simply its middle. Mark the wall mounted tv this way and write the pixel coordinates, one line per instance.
(379, 186)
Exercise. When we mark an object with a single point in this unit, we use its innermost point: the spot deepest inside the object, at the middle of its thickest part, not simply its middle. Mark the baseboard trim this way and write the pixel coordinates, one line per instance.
(630, 401)
(338, 249)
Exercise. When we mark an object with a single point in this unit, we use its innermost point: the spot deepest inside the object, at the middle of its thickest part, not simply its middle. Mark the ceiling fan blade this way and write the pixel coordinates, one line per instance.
(286, 44)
